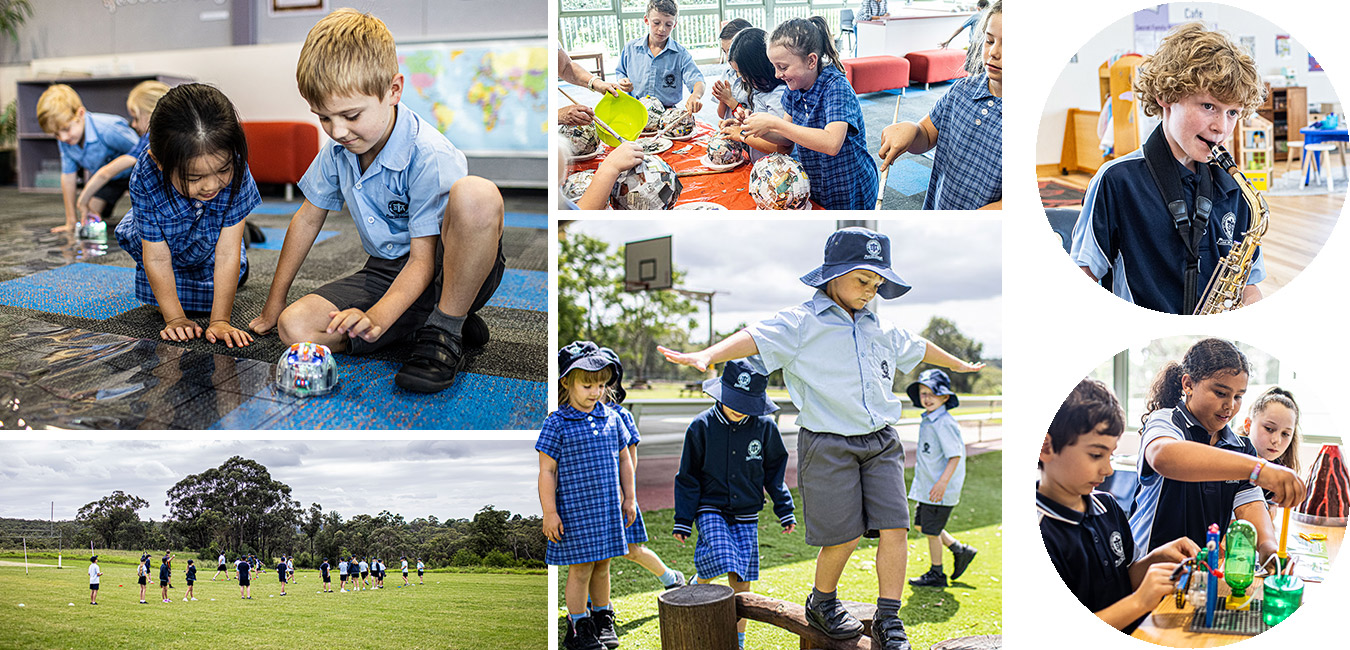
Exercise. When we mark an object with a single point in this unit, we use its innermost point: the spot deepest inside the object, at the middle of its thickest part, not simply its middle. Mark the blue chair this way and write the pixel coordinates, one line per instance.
(1062, 221)
(846, 27)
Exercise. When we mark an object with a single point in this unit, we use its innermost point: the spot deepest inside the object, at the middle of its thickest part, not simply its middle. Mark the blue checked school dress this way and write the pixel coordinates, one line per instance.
(636, 533)
(191, 229)
(586, 447)
(968, 162)
(726, 547)
(847, 180)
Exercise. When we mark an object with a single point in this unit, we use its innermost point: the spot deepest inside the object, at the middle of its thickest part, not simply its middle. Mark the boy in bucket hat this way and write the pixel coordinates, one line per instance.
(839, 361)
(733, 453)
(939, 473)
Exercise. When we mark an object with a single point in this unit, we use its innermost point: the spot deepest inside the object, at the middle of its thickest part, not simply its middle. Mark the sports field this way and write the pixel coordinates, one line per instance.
(452, 610)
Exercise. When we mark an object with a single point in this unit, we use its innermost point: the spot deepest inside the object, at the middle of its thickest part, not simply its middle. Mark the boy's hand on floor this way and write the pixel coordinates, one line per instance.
(264, 322)
(180, 329)
(222, 331)
(354, 323)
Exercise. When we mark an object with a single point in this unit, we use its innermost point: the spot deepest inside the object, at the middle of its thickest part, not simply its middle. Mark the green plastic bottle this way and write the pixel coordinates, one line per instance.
(1240, 557)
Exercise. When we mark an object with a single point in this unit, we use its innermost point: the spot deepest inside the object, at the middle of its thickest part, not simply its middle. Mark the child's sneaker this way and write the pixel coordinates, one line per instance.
(436, 357)
(889, 633)
(144, 603)
(604, 628)
(933, 578)
(194, 599)
(185, 600)
(831, 618)
(679, 580)
(581, 636)
(962, 557)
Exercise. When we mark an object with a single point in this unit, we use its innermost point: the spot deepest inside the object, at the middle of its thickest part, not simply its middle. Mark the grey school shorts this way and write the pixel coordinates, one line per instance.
(365, 288)
(850, 484)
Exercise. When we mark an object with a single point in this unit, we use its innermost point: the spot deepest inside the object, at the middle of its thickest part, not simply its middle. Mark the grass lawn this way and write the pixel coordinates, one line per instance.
(450, 611)
(971, 605)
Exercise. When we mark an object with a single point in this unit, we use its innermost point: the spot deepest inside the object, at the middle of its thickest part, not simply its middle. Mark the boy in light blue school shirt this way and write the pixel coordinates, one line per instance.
(105, 137)
(939, 474)
(661, 74)
(839, 361)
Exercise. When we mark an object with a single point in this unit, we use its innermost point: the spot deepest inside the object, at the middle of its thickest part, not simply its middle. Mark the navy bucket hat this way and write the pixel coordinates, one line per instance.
(741, 389)
(586, 355)
(936, 381)
(858, 248)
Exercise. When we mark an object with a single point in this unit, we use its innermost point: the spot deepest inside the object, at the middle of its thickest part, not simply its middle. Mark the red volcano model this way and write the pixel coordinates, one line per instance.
(1328, 500)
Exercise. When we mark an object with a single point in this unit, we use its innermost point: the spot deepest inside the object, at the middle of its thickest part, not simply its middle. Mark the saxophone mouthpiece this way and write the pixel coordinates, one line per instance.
(1220, 156)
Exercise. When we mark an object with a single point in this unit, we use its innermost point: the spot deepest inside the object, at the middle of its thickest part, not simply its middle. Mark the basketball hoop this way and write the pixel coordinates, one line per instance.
(647, 265)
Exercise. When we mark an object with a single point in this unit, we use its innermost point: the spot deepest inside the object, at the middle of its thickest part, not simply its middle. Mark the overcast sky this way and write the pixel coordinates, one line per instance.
(953, 263)
(448, 479)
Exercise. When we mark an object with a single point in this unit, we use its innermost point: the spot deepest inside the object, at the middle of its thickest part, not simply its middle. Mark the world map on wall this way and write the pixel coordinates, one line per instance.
(484, 97)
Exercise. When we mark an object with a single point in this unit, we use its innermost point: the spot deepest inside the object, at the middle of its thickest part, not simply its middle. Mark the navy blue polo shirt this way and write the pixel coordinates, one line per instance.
(1125, 228)
(1091, 550)
(1165, 509)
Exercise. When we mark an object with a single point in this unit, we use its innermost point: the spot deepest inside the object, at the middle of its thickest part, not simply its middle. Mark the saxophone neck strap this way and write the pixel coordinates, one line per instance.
(1191, 226)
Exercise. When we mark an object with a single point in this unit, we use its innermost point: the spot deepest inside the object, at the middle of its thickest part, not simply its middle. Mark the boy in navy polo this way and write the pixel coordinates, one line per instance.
(839, 361)
(939, 474)
(733, 453)
(656, 65)
(281, 574)
(327, 579)
(1200, 83)
(191, 578)
(164, 578)
(966, 127)
(242, 571)
(1085, 531)
(433, 234)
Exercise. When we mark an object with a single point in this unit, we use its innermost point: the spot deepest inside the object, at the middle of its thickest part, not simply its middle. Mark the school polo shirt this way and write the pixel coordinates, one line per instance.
(1125, 228)
(659, 76)
(1165, 509)
(1090, 550)
(968, 162)
(105, 138)
(839, 370)
(401, 195)
(939, 441)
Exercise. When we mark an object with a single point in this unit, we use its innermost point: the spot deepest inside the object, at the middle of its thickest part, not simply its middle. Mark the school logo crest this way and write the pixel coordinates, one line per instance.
(885, 369)
(668, 81)
(1117, 547)
(752, 451)
(927, 447)
(398, 208)
(743, 381)
(873, 250)
(1228, 225)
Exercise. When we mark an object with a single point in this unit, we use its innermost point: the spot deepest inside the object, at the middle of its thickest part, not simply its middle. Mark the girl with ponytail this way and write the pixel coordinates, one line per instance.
(1194, 471)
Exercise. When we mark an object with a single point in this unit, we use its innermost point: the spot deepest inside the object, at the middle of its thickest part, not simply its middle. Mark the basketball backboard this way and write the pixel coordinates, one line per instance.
(647, 264)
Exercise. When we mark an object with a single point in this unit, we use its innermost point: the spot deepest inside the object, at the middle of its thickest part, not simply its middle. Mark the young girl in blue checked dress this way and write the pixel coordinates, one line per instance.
(757, 83)
(586, 488)
(189, 195)
(824, 120)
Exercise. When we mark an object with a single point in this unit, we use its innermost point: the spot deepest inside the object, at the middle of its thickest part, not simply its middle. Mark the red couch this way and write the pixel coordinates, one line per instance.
(928, 66)
(870, 74)
(280, 152)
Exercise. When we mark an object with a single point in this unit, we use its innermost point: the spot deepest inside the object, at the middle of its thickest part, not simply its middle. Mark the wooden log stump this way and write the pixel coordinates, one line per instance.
(792, 617)
(698, 617)
(983, 642)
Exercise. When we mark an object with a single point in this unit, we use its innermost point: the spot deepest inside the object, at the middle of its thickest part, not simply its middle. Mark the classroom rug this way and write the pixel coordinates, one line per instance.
(1055, 194)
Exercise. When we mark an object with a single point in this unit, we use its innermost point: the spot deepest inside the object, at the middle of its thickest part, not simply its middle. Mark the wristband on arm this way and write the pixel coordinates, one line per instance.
(1256, 471)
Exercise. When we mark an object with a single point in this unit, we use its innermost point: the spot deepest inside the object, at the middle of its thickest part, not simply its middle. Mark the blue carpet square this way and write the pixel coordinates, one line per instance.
(522, 290)
(526, 220)
(908, 177)
(84, 290)
(276, 207)
(277, 236)
(366, 398)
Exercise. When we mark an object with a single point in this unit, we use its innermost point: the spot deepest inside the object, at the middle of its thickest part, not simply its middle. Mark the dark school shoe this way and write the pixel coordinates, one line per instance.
(581, 636)
(436, 358)
(604, 628)
(889, 633)
(831, 618)
(962, 556)
(475, 332)
(932, 578)
(679, 580)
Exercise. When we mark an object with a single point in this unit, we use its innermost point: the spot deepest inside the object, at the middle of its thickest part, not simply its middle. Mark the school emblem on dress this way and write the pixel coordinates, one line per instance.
(668, 81)
(873, 250)
(743, 381)
(398, 208)
(885, 369)
(1229, 224)
(1117, 547)
(752, 451)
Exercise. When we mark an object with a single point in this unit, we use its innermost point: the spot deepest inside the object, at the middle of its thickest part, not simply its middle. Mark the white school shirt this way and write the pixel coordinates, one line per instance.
(93, 573)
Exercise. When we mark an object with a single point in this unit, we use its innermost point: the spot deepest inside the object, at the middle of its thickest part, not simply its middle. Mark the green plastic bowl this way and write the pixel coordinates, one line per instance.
(625, 114)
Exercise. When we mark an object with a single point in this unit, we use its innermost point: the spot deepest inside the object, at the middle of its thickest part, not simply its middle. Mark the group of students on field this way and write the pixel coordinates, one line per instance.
(787, 93)
(431, 232)
(839, 360)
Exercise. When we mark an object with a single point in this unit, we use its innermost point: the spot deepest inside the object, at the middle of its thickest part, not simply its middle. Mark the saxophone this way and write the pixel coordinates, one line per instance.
(1224, 291)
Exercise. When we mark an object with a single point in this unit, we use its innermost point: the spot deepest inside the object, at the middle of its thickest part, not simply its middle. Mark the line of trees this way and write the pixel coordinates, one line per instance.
(239, 508)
